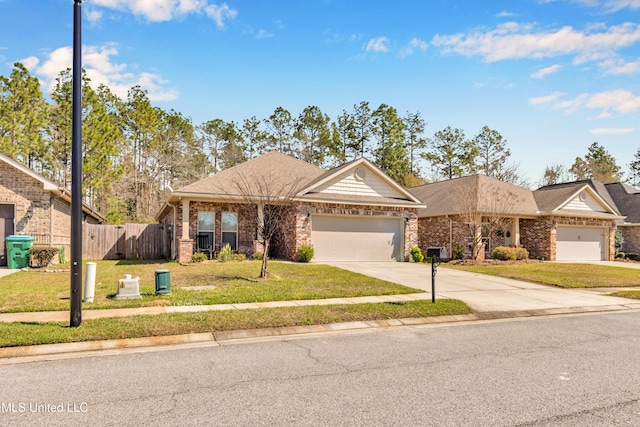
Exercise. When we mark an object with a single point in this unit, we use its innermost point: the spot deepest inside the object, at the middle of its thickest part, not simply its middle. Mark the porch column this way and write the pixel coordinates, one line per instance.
(185, 219)
(185, 244)
(516, 231)
(260, 224)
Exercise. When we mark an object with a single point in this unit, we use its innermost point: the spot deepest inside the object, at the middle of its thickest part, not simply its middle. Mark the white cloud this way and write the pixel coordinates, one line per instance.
(166, 10)
(263, 34)
(100, 68)
(378, 44)
(543, 72)
(619, 66)
(513, 40)
(611, 131)
(545, 99)
(615, 5)
(93, 15)
(414, 44)
(30, 62)
(620, 101)
(505, 14)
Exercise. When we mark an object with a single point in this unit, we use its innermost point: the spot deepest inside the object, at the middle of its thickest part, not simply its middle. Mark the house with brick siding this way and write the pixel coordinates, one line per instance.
(627, 200)
(352, 212)
(30, 204)
(569, 221)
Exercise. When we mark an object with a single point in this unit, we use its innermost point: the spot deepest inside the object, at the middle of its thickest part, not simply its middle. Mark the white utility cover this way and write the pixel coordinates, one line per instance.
(580, 244)
(361, 238)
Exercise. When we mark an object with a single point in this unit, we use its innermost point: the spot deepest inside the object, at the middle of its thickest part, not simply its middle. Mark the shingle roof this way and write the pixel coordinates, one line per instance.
(475, 192)
(274, 169)
(550, 197)
(627, 199)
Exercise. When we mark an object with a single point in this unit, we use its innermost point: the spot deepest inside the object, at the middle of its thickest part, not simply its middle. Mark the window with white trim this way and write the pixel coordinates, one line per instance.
(230, 229)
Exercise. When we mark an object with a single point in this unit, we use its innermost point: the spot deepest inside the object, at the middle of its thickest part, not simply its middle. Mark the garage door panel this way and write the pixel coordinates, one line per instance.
(580, 244)
(337, 238)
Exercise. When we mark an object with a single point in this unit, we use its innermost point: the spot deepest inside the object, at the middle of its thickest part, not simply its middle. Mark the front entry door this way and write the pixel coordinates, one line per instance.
(6, 229)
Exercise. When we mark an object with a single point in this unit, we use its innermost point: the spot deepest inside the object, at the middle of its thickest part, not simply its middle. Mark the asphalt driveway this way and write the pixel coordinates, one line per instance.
(485, 293)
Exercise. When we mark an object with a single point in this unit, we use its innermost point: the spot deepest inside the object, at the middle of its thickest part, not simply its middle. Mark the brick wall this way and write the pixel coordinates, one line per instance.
(447, 232)
(631, 236)
(24, 191)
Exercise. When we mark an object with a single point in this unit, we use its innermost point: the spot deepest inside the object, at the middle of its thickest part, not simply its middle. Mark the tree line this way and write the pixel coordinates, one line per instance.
(135, 153)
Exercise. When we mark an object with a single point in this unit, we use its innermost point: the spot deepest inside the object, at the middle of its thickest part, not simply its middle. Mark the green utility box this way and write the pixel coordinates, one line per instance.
(18, 251)
(163, 282)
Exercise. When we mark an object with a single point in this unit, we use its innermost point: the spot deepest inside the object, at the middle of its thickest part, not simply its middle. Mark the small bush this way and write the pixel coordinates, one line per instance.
(521, 253)
(503, 253)
(61, 257)
(416, 254)
(257, 256)
(457, 252)
(633, 257)
(305, 253)
(41, 256)
(226, 253)
(198, 257)
(620, 255)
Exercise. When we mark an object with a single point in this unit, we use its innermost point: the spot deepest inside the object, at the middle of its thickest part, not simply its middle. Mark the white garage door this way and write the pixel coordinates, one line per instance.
(339, 238)
(580, 244)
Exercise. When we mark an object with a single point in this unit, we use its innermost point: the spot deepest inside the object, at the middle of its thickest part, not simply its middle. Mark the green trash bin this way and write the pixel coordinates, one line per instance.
(163, 282)
(18, 250)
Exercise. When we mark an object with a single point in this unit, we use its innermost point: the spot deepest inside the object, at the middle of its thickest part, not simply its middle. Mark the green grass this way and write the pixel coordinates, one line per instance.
(233, 282)
(19, 334)
(626, 294)
(560, 274)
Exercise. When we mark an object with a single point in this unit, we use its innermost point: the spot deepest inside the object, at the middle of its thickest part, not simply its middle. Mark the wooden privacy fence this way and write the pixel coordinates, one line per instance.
(129, 241)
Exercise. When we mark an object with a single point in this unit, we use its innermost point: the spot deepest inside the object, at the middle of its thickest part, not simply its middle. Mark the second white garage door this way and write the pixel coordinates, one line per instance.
(339, 238)
(580, 244)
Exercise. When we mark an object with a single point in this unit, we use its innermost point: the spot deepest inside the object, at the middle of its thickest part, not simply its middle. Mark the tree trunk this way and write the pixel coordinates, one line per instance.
(264, 274)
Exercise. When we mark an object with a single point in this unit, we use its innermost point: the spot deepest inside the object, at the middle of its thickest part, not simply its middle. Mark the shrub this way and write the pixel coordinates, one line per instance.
(257, 256)
(620, 255)
(41, 256)
(521, 253)
(61, 257)
(305, 253)
(226, 253)
(198, 257)
(633, 257)
(457, 251)
(504, 253)
(416, 254)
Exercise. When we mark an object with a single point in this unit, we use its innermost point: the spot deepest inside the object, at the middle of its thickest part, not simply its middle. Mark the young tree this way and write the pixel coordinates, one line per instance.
(597, 164)
(274, 197)
(212, 134)
(450, 153)
(345, 139)
(233, 149)
(414, 127)
(391, 154)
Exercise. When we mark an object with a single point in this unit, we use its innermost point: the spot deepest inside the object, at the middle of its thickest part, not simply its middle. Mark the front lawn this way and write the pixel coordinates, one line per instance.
(560, 274)
(231, 282)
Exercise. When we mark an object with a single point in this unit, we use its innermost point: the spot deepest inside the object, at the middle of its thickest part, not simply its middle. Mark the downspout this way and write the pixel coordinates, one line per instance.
(450, 237)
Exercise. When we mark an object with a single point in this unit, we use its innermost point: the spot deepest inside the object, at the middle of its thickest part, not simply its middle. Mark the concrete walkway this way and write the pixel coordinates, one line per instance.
(485, 293)
(4, 271)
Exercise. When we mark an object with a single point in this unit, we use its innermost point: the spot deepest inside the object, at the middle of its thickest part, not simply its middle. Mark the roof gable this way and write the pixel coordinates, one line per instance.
(574, 197)
(46, 184)
(359, 179)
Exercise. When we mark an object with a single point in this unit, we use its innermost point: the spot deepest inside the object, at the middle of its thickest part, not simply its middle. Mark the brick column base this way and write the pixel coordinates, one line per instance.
(185, 250)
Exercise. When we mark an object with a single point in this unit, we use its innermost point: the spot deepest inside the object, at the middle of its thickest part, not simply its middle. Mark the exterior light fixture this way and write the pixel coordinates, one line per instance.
(30, 212)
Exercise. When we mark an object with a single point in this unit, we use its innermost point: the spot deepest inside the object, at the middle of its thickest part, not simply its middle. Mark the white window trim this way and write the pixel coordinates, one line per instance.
(222, 230)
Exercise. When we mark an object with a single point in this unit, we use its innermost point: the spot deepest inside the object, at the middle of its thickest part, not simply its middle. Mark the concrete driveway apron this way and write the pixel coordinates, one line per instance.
(485, 293)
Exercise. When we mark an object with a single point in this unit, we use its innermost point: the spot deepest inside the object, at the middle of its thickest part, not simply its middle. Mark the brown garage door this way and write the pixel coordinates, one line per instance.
(6, 229)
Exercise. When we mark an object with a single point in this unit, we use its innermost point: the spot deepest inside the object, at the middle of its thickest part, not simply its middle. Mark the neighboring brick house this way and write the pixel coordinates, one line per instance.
(353, 212)
(627, 200)
(564, 222)
(33, 205)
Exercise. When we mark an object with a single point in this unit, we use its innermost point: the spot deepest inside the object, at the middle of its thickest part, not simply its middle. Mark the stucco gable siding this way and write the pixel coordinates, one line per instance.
(583, 202)
(371, 185)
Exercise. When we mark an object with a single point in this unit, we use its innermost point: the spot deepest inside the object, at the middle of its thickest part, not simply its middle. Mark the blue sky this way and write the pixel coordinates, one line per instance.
(552, 76)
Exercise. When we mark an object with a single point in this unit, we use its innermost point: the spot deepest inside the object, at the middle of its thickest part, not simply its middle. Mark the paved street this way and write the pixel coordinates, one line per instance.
(578, 370)
(481, 292)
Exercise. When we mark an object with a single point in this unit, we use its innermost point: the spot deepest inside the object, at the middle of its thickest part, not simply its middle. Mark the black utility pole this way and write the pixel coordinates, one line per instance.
(76, 170)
